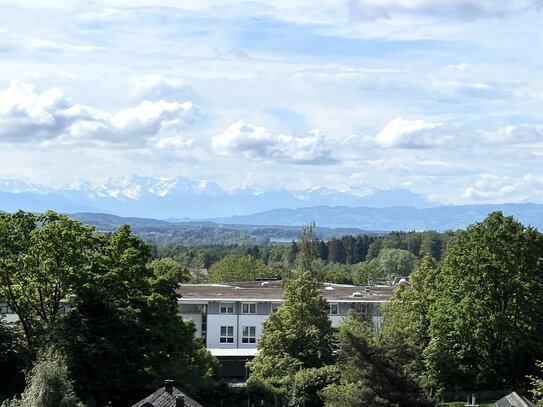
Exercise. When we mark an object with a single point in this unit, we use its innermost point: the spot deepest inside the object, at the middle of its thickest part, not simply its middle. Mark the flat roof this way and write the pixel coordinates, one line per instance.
(273, 292)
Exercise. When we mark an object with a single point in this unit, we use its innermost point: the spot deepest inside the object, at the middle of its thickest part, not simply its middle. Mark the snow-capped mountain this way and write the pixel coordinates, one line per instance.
(135, 187)
(182, 198)
(16, 187)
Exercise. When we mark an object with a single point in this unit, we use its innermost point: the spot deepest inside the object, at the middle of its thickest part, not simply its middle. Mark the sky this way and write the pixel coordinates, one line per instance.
(441, 97)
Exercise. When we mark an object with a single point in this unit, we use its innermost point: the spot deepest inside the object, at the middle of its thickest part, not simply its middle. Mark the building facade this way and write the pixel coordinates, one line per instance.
(230, 317)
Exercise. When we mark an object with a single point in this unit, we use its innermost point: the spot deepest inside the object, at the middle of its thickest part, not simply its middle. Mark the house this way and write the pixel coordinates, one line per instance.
(168, 396)
(513, 400)
(229, 317)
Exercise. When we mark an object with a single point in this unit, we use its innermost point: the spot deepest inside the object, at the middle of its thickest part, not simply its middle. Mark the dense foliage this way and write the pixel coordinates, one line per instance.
(470, 318)
(297, 337)
(473, 321)
(48, 384)
(122, 335)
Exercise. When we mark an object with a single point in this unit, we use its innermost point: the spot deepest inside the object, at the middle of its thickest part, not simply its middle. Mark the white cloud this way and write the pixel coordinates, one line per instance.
(258, 143)
(469, 9)
(494, 188)
(156, 87)
(52, 118)
(401, 133)
(420, 134)
(514, 135)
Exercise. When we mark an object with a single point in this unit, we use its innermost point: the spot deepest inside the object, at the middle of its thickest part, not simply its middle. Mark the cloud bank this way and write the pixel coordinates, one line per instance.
(258, 143)
(50, 117)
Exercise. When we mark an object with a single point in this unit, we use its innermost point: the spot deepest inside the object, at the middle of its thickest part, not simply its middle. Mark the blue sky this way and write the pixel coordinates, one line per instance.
(442, 97)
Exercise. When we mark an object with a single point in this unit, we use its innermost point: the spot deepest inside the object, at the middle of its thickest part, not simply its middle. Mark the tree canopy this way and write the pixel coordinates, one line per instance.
(121, 333)
(236, 268)
(297, 336)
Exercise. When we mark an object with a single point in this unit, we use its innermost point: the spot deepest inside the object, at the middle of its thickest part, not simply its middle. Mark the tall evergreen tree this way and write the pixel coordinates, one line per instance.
(296, 337)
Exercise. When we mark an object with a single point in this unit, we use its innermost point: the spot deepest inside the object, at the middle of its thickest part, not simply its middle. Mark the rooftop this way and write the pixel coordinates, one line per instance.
(166, 397)
(513, 400)
(273, 291)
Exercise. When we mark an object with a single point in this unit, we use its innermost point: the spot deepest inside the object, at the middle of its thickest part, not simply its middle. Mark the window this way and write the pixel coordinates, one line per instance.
(275, 306)
(5, 309)
(248, 334)
(334, 309)
(190, 308)
(226, 308)
(248, 308)
(227, 334)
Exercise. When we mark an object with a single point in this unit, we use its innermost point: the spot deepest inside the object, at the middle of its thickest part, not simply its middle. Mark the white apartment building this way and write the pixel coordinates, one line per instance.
(229, 317)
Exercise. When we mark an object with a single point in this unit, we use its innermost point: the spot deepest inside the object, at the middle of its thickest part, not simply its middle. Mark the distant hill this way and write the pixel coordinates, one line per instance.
(200, 233)
(395, 218)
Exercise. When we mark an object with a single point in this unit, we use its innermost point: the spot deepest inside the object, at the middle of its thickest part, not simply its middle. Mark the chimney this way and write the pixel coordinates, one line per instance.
(472, 401)
(168, 385)
(179, 401)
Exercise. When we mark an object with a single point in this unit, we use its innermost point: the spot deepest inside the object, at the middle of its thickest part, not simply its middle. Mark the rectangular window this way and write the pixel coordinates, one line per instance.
(248, 308)
(5, 309)
(226, 308)
(227, 334)
(190, 308)
(248, 334)
(334, 309)
(275, 306)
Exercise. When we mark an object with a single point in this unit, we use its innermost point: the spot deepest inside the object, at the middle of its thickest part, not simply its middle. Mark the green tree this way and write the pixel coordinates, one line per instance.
(48, 384)
(168, 269)
(536, 385)
(485, 323)
(234, 268)
(367, 376)
(396, 262)
(296, 337)
(42, 259)
(337, 273)
(336, 252)
(309, 248)
(405, 322)
(13, 359)
(124, 334)
(364, 272)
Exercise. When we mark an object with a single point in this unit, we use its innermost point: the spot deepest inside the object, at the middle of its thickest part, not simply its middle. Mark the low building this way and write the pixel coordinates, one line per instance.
(229, 317)
(513, 400)
(167, 396)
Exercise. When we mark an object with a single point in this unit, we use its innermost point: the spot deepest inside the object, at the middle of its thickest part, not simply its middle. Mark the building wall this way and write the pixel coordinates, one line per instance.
(237, 320)
(214, 323)
(250, 320)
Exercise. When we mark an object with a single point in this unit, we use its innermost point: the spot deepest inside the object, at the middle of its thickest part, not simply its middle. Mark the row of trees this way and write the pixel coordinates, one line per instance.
(122, 335)
(347, 250)
(471, 322)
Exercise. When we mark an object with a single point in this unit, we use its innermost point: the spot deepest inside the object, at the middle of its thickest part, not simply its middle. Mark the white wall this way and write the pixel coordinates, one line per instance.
(214, 323)
(250, 320)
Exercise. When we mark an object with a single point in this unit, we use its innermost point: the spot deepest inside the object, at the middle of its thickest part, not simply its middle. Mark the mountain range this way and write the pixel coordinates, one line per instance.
(203, 204)
(183, 198)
